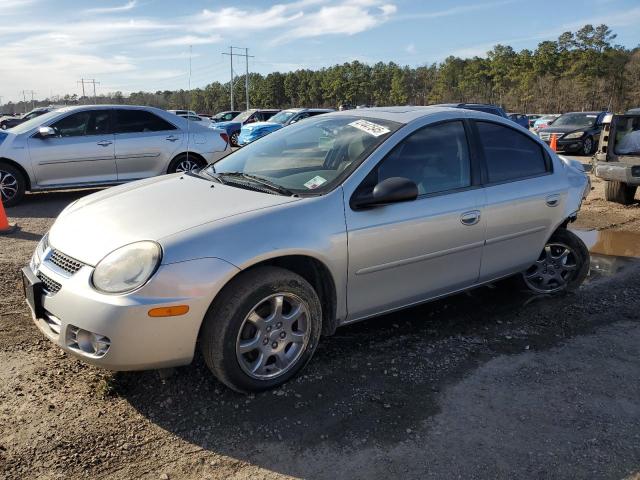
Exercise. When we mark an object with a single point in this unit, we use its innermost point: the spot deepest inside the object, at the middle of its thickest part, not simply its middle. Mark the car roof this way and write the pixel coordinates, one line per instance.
(597, 112)
(404, 114)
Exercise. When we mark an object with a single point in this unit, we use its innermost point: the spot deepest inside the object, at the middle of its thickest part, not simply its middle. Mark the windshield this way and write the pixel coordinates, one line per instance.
(576, 120)
(282, 117)
(34, 122)
(311, 156)
(243, 116)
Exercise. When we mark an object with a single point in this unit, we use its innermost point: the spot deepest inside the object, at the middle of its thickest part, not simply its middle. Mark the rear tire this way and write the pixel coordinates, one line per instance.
(562, 266)
(619, 192)
(233, 139)
(186, 163)
(12, 185)
(248, 342)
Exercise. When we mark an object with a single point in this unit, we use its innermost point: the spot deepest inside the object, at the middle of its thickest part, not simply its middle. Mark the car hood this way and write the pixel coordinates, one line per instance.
(150, 209)
(253, 127)
(564, 129)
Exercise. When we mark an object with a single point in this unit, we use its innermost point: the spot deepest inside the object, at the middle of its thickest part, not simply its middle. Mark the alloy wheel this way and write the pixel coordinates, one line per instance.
(553, 270)
(8, 185)
(234, 139)
(588, 145)
(273, 336)
(187, 165)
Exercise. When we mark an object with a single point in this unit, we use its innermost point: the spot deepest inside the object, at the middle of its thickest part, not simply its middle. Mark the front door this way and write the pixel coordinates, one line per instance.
(81, 152)
(405, 253)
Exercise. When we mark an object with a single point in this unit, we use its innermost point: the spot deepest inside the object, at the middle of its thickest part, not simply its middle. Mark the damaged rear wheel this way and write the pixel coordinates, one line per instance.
(562, 265)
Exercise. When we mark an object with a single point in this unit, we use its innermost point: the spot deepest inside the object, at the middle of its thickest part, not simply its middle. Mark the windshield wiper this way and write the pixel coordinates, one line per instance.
(262, 181)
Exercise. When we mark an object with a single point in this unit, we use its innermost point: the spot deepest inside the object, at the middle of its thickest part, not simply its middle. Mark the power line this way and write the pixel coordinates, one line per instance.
(246, 56)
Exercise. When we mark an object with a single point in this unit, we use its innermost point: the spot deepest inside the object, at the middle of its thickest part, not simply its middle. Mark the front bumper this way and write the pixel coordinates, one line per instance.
(619, 172)
(133, 340)
(573, 145)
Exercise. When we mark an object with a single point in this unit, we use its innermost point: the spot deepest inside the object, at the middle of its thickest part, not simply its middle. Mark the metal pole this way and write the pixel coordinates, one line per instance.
(246, 77)
(231, 84)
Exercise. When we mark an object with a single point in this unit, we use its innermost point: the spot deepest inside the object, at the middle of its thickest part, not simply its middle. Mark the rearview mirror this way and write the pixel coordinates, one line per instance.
(46, 132)
(390, 190)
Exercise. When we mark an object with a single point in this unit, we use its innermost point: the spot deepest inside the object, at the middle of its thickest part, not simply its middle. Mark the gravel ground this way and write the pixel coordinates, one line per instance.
(487, 384)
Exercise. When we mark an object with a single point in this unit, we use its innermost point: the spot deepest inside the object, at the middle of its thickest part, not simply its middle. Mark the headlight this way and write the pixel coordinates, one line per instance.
(574, 135)
(36, 259)
(127, 268)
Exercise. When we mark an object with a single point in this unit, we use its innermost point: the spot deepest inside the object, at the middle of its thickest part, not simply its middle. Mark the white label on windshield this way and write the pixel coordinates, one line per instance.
(591, 116)
(315, 182)
(370, 127)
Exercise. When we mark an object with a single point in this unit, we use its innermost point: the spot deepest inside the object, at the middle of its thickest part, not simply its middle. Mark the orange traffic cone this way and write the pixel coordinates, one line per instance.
(554, 142)
(5, 226)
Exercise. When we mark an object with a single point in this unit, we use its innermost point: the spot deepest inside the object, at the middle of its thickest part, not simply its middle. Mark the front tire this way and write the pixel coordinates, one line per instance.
(261, 329)
(562, 266)
(619, 192)
(588, 146)
(233, 139)
(12, 185)
(186, 163)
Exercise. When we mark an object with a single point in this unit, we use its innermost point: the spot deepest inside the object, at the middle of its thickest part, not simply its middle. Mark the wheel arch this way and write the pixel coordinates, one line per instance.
(22, 170)
(186, 152)
(313, 271)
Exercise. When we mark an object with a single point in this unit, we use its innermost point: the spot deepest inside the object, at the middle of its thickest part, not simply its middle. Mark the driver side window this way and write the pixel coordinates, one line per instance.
(436, 158)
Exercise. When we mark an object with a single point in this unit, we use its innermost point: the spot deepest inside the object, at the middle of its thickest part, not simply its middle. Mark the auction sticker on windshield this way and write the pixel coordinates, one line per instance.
(370, 127)
(315, 182)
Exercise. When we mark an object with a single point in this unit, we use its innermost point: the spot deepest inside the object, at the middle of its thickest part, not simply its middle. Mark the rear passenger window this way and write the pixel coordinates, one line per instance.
(131, 121)
(510, 154)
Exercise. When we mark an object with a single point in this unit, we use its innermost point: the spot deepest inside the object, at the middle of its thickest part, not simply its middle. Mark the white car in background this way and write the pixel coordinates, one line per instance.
(100, 145)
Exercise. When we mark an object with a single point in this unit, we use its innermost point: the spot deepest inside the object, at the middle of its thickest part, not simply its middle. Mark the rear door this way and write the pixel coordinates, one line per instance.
(525, 200)
(144, 143)
(82, 152)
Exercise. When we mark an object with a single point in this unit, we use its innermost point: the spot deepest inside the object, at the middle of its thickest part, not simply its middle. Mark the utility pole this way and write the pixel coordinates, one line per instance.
(24, 98)
(246, 56)
(89, 81)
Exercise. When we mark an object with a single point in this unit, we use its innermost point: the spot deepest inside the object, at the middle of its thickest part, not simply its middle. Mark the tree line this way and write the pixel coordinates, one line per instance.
(581, 70)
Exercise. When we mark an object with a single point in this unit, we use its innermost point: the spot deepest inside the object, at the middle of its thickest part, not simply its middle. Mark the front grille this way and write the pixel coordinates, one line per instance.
(50, 285)
(52, 322)
(65, 262)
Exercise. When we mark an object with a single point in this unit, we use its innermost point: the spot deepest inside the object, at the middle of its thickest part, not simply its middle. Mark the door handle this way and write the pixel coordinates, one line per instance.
(172, 138)
(470, 218)
(553, 200)
(105, 143)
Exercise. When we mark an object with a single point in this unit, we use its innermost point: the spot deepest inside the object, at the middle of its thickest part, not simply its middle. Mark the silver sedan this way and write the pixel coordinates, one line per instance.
(100, 145)
(324, 223)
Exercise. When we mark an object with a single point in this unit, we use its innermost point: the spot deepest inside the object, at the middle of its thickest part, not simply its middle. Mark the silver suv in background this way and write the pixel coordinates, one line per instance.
(101, 145)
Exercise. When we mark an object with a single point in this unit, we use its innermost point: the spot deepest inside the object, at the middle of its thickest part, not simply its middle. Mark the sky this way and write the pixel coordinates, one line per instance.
(130, 45)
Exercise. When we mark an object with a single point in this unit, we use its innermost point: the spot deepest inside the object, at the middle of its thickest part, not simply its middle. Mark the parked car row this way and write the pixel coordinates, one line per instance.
(99, 145)
(7, 122)
(329, 221)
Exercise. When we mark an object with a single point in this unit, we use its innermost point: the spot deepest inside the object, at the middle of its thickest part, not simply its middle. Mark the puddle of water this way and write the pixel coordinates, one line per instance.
(608, 242)
(611, 251)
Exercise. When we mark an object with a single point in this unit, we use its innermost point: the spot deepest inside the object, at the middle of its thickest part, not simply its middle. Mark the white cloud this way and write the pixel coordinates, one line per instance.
(185, 40)
(411, 48)
(117, 9)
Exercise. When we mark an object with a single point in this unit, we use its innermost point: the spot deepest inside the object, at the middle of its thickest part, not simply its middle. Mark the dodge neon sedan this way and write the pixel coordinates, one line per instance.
(327, 222)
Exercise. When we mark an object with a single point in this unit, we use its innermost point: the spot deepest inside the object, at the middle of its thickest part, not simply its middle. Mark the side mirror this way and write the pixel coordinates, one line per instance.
(46, 132)
(391, 190)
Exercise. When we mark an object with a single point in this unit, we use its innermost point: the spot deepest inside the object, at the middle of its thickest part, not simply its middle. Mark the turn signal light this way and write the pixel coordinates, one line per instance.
(172, 311)
(225, 137)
